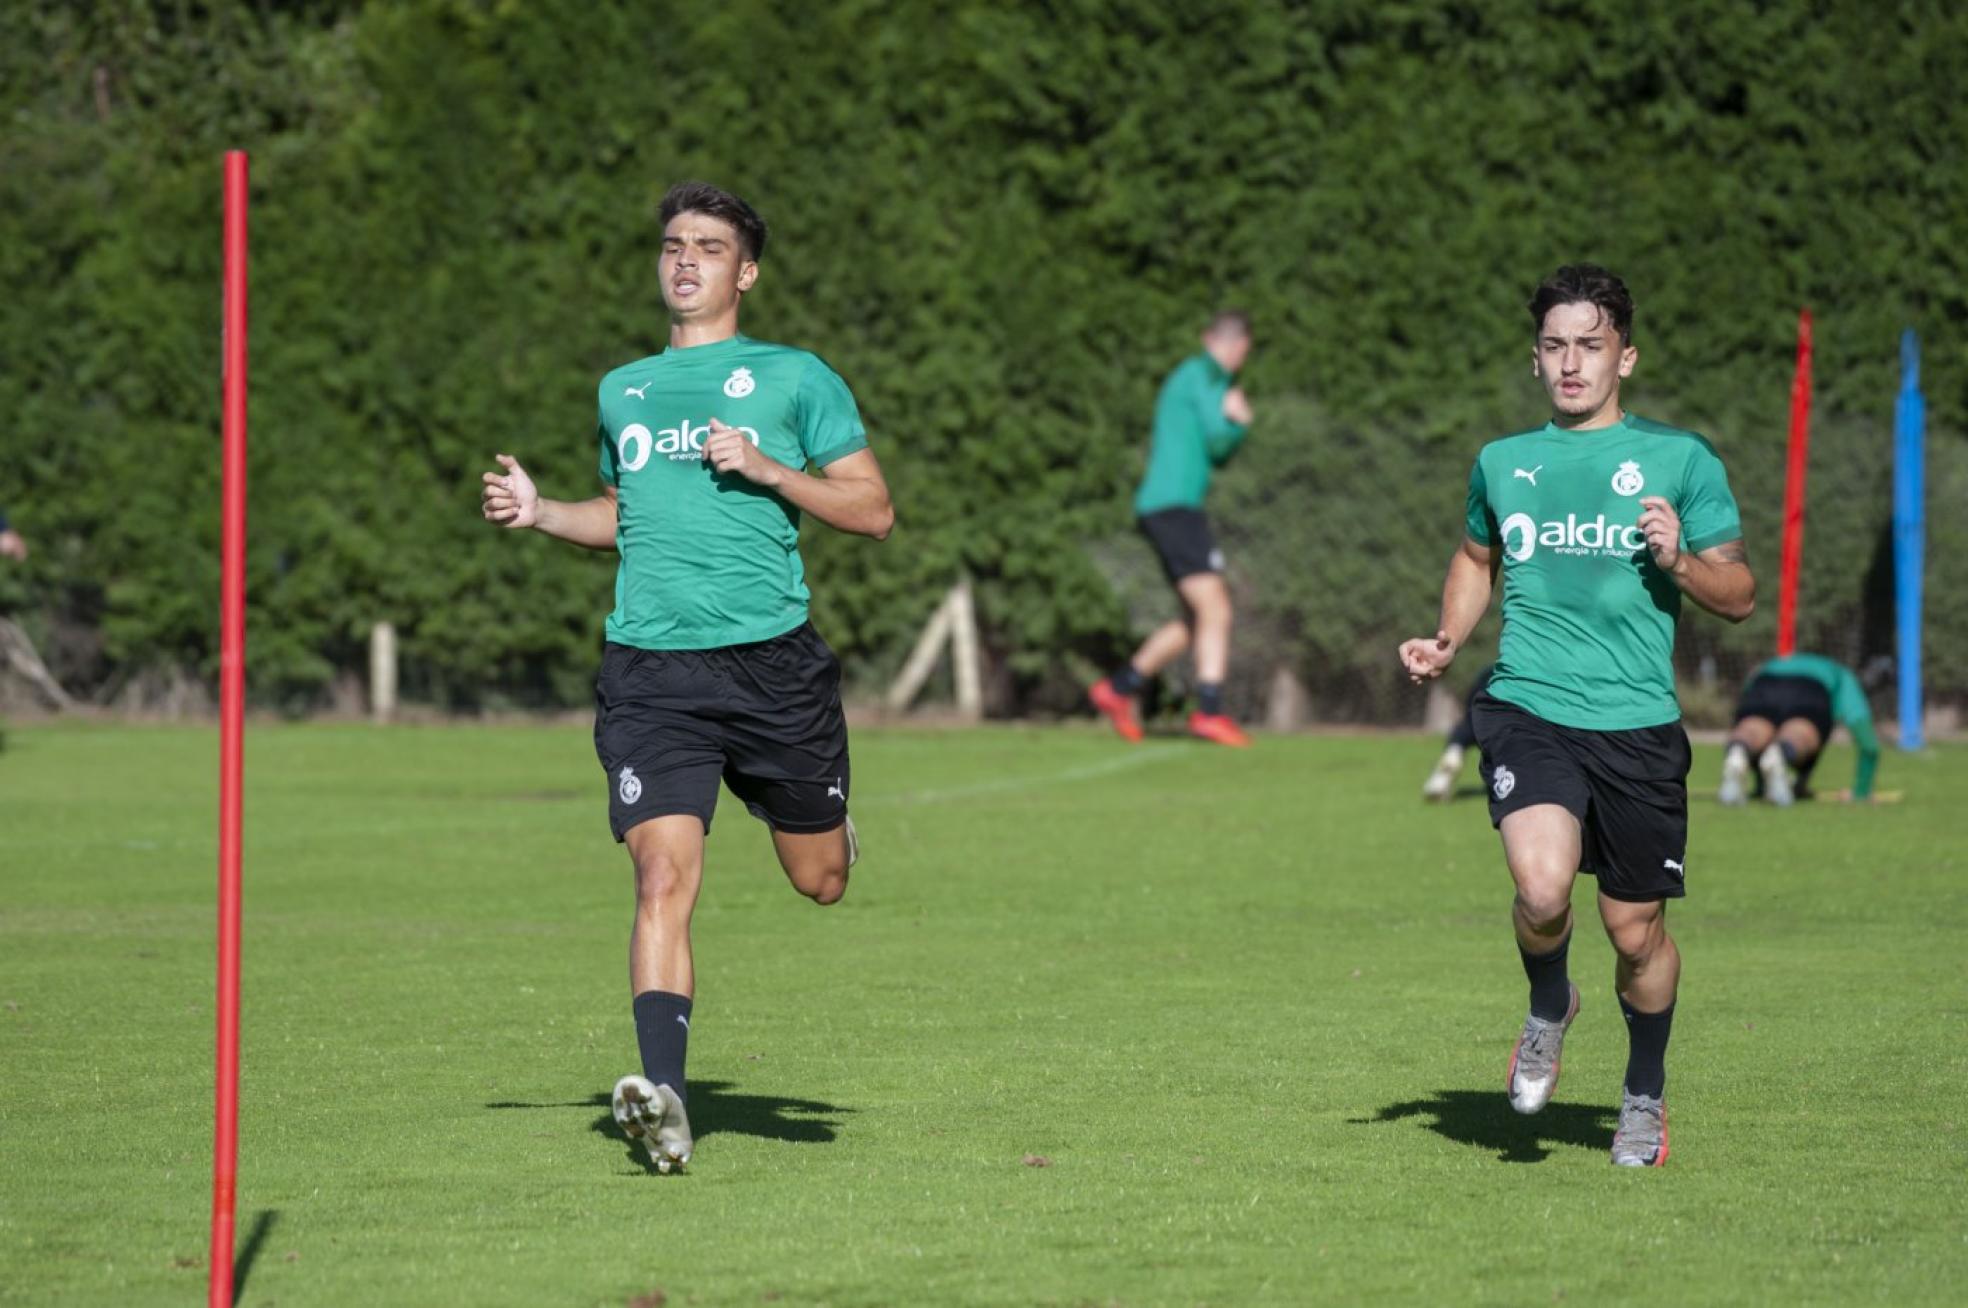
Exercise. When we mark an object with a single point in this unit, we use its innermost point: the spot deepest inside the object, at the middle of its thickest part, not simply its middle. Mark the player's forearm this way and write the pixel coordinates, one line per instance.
(1222, 444)
(1465, 597)
(859, 505)
(1868, 768)
(590, 523)
(1726, 589)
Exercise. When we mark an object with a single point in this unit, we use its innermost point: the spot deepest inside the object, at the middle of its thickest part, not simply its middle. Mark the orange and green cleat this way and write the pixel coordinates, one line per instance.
(1219, 728)
(1119, 709)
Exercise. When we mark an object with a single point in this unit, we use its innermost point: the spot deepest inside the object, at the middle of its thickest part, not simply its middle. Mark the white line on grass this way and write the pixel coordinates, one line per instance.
(1084, 772)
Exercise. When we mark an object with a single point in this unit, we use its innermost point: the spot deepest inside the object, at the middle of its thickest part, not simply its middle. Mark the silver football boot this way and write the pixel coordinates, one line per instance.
(1641, 1140)
(653, 1116)
(1534, 1062)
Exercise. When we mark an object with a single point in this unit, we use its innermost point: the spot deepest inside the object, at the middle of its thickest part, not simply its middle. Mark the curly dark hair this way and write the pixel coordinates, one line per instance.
(1585, 283)
(702, 197)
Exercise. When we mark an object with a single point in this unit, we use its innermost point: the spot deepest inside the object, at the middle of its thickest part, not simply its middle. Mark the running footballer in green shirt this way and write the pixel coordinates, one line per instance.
(1600, 522)
(710, 671)
(1201, 417)
(1784, 720)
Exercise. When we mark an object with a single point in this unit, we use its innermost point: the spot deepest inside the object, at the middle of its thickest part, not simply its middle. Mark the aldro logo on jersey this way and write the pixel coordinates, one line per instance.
(683, 442)
(1523, 535)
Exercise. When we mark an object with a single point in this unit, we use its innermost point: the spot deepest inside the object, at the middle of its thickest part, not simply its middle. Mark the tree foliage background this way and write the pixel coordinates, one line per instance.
(1002, 223)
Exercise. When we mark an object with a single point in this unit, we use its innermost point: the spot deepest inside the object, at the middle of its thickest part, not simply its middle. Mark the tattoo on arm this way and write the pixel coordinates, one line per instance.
(1733, 552)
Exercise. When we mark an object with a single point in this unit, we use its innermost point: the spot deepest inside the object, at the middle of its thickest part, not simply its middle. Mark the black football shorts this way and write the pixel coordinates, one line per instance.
(1779, 699)
(1628, 789)
(1183, 542)
(765, 718)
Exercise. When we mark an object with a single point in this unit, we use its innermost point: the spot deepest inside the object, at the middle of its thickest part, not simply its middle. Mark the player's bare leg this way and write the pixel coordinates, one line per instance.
(668, 853)
(669, 870)
(1647, 973)
(1748, 739)
(1165, 644)
(817, 862)
(1208, 598)
(1541, 843)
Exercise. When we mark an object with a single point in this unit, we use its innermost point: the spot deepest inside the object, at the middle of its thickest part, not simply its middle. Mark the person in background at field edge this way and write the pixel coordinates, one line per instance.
(1784, 721)
(1440, 785)
(1201, 417)
(711, 670)
(11, 544)
(1599, 523)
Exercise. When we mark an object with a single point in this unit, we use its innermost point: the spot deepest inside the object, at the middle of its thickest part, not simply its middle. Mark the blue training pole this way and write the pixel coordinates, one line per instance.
(1909, 530)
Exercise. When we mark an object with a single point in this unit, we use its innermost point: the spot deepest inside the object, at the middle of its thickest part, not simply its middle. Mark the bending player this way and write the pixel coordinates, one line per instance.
(1784, 720)
(1600, 522)
(1201, 417)
(1441, 782)
(711, 669)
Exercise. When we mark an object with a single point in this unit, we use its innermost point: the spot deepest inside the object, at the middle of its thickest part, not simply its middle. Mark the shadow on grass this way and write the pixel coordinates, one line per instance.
(715, 1109)
(1484, 1118)
(249, 1252)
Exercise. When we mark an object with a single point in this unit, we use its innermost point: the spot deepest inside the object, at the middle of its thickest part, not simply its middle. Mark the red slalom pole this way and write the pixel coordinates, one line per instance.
(232, 715)
(1793, 520)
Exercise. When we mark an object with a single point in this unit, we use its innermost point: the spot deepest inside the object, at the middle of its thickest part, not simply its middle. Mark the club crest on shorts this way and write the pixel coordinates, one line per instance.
(1628, 481)
(630, 788)
(739, 384)
(1502, 782)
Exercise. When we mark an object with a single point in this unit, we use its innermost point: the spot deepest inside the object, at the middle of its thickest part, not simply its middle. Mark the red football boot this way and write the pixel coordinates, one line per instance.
(1219, 728)
(1118, 708)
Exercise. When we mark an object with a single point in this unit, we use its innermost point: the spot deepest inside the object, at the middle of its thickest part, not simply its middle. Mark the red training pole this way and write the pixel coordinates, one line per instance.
(1793, 523)
(232, 713)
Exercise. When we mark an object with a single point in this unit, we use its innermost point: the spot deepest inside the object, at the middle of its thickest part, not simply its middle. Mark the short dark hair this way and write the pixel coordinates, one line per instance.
(1584, 283)
(1228, 320)
(702, 197)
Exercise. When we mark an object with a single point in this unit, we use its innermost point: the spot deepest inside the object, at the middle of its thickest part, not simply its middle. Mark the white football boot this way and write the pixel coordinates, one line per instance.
(653, 1116)
(1441, 782)
(1776, 777)
(1735, 778)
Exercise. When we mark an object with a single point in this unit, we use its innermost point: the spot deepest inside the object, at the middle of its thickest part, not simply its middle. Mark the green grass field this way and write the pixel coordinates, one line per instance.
(1250, 1011)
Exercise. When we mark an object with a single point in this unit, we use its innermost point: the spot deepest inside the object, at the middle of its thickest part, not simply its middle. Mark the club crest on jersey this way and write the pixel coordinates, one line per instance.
(739, 384)
(1628, 481)
(1502, 782)
(631, 788)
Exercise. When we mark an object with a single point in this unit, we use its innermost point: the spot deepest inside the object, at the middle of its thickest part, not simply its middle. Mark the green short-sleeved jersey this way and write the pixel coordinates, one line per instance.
(1190, 437)
(1848, 705)
(1588, 619)
(709, 560)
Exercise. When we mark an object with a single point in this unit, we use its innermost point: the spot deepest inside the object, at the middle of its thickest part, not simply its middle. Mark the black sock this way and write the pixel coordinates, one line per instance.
(1789, 752)
(1127, 681)
(663, 1033)
(1551, 986)
(1646, 1049)
(1209, 697)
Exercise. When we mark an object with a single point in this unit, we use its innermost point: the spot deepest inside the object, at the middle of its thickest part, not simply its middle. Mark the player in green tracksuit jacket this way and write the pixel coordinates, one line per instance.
(1201, 417)
(1783, 721)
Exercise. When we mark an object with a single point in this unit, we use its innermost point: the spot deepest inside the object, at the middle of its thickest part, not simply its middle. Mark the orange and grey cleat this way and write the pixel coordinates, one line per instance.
(1641, 1140)
(1119, 709)
(1219, 728)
